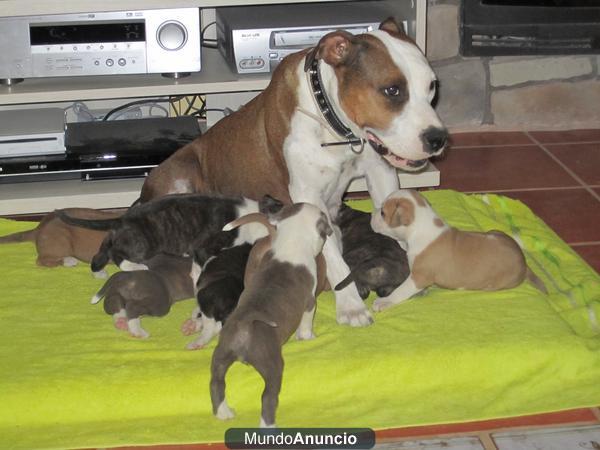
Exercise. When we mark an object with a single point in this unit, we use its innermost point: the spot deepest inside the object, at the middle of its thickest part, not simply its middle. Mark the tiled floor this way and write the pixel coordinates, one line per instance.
(557, 174)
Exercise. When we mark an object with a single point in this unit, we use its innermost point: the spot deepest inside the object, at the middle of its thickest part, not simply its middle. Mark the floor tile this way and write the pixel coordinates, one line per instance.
(574, 214)
(566, 136)
(582, 159)
(496, 168)
(460, 443)
(591, 255)
(555, 439)
(499, 138)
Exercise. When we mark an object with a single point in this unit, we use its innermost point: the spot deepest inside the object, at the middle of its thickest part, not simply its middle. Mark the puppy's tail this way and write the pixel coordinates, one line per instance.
(21, 236)
(249, 218)
(99, 224)
(102, 292)
(345, 282)
(536, 281)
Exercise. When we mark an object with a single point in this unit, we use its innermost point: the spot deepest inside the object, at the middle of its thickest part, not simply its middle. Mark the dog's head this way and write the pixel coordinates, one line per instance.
(401, 212)
(382, 87)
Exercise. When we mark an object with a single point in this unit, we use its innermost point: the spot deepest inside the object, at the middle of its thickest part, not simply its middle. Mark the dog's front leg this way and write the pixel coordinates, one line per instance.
(350, 309)
(381, 178)
(403, 292)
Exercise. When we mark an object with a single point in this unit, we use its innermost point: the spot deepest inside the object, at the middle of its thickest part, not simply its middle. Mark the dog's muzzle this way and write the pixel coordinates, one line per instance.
(394, 160)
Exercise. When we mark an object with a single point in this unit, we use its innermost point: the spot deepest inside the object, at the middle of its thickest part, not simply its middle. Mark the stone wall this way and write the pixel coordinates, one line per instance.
(508, 93)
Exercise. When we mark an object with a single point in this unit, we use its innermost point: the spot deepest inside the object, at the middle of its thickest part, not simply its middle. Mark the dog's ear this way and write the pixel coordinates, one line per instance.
(392, 26)
(399, 212)
(334, 48)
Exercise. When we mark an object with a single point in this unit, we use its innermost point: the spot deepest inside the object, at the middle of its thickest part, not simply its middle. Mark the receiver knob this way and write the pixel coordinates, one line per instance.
(171, 35)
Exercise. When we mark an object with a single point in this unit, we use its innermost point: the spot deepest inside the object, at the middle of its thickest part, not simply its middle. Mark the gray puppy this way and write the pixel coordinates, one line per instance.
(130, 295)
(277, 300)
(377, 262)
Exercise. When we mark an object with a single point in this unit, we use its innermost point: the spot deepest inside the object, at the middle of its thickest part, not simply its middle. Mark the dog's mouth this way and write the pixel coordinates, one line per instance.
(392, 158)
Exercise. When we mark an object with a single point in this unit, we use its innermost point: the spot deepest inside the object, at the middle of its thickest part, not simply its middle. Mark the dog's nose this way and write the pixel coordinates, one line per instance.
(434, 139)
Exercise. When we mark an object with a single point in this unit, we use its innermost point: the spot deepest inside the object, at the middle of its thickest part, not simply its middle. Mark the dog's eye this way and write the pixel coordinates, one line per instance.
(392, 91)
(432, 85)
(382, 214)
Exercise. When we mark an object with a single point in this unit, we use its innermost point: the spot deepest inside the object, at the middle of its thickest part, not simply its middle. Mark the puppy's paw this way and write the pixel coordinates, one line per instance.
(305, 335)
(69, 261)
(139, 334)
(381, 304)
(195, 345)
(224, 412)
(121, 323)
(191, 326)
(129, 266)
(264, 424)
(101, 274)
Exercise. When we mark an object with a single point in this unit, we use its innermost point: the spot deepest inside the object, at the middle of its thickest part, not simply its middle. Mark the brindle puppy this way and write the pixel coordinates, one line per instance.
(174, 224)
(377, 263)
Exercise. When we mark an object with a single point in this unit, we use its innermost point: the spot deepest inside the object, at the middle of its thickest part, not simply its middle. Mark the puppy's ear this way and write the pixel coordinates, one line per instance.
(399, 212)
(269, 205)
(334, 48)
(392, 26)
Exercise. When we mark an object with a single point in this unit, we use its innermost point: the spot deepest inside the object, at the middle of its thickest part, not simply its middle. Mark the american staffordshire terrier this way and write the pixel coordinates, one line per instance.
(352, 106)
(58, 243)
(278, 300)
(173, 224)
(445, 256)
(130, 295)
(377, 262)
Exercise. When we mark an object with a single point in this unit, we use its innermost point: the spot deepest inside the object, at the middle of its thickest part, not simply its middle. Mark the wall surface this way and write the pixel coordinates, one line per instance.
(509, 93)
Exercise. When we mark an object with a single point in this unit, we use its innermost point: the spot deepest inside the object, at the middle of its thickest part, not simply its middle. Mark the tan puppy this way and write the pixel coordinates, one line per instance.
(58, 243)
(441, 255)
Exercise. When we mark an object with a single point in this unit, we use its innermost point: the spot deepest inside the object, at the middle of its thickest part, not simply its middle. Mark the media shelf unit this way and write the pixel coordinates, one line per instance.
(216, 77)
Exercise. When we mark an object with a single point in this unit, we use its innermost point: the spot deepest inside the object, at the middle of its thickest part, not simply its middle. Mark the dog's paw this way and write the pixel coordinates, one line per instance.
(264, 424)
(191, 326)
(381, 304)
(224, 412)
(352, 311)
(139, 334)
(129, 266)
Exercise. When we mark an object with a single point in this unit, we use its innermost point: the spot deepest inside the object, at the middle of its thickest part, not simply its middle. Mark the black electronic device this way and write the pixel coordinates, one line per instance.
(106, 149)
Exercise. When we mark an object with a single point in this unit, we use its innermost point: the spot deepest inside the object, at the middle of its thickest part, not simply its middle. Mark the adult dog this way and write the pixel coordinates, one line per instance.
(292, 141)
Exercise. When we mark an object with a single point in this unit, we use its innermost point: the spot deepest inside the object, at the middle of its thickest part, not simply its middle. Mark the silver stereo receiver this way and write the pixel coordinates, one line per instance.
(103, 43)
(253, 39)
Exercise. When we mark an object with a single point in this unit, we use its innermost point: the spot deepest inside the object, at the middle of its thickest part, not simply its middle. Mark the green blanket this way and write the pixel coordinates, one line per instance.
(70, 380)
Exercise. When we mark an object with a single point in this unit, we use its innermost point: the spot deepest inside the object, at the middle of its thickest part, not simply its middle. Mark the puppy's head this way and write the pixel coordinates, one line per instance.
(382, 87)
(398, 214)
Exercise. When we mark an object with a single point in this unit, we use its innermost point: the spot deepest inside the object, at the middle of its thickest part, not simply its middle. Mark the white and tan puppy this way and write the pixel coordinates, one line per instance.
(445, 256)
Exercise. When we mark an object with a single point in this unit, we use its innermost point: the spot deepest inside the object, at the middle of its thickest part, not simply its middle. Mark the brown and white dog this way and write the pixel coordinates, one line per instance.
(278, 299)
(59, 243)
(375, 87)
(445, 256)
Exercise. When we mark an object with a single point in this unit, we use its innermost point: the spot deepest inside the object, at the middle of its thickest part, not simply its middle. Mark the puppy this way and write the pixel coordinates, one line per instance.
(130, 295)
(441, 255)
(59, 243)
(278, 300)
(219, 285)
(377, 262)
(173, 224)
